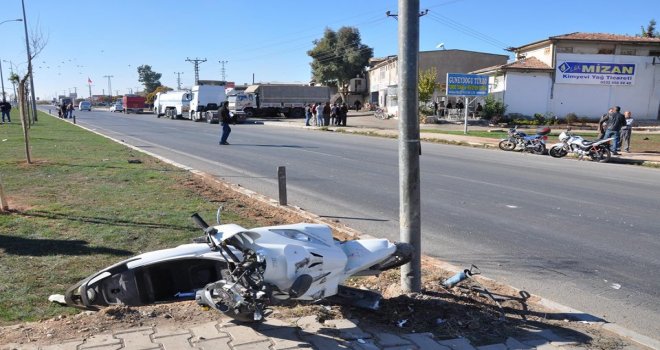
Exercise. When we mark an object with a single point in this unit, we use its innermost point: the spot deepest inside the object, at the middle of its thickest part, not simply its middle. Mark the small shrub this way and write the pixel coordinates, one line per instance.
(540, 119)
(493, 107)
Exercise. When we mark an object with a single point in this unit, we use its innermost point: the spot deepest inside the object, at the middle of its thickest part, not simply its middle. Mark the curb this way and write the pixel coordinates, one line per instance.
(612, 327)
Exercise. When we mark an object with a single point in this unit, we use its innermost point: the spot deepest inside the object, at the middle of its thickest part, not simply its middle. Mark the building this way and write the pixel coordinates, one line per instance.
(581, 73)
(384, 78)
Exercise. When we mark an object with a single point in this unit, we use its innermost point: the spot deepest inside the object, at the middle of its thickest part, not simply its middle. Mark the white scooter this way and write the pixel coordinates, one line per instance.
(240, 272)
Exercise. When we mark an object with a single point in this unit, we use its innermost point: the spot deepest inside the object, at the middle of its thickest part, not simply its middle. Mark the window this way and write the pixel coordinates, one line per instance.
(567, 49)
(605, 51)
(654, 53)
(630, 52)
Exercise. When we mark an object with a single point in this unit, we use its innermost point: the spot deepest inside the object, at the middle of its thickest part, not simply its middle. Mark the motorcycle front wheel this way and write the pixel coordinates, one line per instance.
(601, 155)
(507, 145)
(557, 152)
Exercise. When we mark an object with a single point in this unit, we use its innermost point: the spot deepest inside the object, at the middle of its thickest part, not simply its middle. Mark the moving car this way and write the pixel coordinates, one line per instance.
(117, 107)
(85, 106)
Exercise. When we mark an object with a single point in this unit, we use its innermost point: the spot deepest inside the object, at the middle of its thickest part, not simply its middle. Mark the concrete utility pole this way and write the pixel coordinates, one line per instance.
(409, 144)
(178, 80)
(196, 62)
(109, 84)
(222, 70)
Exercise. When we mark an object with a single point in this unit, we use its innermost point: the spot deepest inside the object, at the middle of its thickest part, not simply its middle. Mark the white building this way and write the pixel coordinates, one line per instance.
(581, 73)
(383, 73)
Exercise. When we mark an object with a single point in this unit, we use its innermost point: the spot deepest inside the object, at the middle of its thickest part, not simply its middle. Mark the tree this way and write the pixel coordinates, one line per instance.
(338, 57)
(149, 78)
(152, 95)
(427, 84)
(649, 31)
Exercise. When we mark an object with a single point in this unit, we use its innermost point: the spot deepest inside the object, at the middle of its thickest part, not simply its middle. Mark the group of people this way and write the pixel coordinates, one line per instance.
(66, 111)
(6, 109)
(320, 114)
(618, 126)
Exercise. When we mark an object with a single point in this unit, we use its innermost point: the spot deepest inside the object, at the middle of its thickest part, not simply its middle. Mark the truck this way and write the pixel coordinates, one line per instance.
(271, 100)
(172, 104)
(133, 103)
(206, 98)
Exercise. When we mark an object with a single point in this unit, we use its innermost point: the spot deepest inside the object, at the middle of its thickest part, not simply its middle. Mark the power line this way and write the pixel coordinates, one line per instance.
(222, 70)
(196, 63)
(178, 80)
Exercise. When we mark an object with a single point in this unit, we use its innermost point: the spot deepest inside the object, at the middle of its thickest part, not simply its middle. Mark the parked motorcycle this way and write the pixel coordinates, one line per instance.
(520, 140)
(598, 150)
(240, 272)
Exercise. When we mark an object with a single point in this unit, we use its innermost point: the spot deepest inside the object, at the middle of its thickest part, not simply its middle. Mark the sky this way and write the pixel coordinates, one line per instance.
(266, 40)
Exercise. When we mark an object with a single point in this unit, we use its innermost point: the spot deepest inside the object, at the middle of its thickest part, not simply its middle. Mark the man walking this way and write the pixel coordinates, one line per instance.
(6, 109)
(225, 118)
(614, 125)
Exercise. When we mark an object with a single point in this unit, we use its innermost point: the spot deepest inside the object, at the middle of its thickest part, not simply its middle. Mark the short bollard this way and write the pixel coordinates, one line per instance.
(74, 119)
(281, 179)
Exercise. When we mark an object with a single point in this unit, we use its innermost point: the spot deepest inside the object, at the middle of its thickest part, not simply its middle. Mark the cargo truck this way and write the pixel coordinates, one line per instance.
(172, 104)
(271, 100)
(133, 103)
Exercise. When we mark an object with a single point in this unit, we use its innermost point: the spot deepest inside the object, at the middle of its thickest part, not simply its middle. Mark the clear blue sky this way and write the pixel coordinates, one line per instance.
(268, 38)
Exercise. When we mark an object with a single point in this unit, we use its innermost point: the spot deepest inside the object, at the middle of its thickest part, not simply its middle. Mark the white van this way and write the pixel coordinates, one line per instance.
(85, 106)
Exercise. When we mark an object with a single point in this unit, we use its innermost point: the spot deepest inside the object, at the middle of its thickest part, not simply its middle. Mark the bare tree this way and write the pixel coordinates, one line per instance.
(23, 106)
(37, 42)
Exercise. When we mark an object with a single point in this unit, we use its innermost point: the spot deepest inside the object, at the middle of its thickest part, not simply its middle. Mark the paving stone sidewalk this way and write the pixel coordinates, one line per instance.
(298, 333)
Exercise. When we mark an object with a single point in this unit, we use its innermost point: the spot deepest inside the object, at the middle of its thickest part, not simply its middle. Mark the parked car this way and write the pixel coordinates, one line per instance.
(117, 107)
(85, 106)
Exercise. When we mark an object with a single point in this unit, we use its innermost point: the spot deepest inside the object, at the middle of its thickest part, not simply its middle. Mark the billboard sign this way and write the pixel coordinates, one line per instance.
(467, 84)
(595, 73)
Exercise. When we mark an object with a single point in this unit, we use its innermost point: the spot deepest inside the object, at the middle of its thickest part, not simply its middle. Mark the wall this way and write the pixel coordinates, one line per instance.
(642, 98)
(527, 93)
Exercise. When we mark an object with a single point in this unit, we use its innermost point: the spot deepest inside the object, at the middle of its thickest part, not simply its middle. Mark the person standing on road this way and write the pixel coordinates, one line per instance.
(626, 131)
(343, 114)
(334, 114)
(319, 114)
(69, 110)
(614, 124)
(225, 118)
(602, 123)
(308, 113)
(326, 114)
(6, 110)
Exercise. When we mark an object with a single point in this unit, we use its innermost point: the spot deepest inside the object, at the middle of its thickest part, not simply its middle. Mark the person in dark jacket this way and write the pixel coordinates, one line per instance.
(602, 123)
(6, 110)
(614, 125)
(343, 114)
(225, 118)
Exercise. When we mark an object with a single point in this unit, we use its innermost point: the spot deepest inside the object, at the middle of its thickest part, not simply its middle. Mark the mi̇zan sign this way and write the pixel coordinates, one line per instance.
(621, 74)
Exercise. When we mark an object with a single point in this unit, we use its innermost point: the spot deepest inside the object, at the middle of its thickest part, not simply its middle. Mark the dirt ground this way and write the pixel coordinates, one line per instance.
(479, 309)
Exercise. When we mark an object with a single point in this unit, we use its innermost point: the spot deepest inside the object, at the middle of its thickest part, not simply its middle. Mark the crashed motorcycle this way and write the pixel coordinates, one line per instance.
(598, 150)
(520, 140)
(241, 272)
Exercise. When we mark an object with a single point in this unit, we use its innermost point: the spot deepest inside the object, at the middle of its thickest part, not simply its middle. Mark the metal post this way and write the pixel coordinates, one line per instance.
(2, 79)
(4, 206)
(409, 144)
(467, 105)
(281, 180)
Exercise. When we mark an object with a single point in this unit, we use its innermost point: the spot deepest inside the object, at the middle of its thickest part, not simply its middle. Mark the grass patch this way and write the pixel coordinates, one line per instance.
(80, 207)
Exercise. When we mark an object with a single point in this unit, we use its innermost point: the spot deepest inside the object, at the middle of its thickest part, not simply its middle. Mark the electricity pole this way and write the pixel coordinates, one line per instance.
(222, 70)
(178, 80)
(196, 62)
(409, 143)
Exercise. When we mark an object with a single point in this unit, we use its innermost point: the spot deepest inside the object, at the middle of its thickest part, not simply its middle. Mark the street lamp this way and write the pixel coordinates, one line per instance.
(2, 79)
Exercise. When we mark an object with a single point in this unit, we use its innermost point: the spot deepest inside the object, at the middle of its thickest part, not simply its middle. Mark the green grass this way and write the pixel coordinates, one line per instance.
(80, 207)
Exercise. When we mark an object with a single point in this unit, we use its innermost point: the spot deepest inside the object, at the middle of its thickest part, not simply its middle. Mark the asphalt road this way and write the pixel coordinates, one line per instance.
(584, 234)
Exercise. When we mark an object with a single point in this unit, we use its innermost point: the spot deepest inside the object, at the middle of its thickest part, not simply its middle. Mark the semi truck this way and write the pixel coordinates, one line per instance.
(206, 98)
(133, 103)
(271, 100)
(172, 104)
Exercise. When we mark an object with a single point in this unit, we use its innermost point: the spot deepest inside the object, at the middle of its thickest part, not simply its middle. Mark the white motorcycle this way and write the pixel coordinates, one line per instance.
(598, 150)
(240, 272)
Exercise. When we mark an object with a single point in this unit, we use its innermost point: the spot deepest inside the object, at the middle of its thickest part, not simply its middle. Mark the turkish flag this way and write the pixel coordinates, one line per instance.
(89, 81)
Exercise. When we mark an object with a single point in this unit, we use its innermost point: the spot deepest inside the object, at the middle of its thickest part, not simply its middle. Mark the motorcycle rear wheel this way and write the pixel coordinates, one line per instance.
(557, 152)
(538, 149)
(601, 155)
(507, 145)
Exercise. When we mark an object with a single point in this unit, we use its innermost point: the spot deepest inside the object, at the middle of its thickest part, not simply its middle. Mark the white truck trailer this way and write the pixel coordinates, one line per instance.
(172, 104)
(206, 98)
(271, 100)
